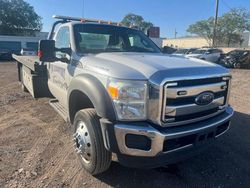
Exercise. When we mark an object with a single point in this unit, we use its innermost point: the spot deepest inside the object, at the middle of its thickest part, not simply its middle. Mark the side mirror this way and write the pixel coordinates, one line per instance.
(47, 51)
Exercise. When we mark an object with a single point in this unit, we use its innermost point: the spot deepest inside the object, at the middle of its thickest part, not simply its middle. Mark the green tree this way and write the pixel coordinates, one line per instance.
(233, 24)
(203, 28)
(230, 26)
(136, 21)
(17, 17)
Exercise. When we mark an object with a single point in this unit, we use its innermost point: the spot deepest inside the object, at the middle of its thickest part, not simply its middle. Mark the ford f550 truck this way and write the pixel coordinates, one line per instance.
(122, 95)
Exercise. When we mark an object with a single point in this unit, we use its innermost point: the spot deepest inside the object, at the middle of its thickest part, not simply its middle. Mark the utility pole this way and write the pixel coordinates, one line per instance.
(175, 33)
(215, 22)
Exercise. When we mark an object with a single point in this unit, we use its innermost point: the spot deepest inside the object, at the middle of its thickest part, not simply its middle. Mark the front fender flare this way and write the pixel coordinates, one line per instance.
(96, 92)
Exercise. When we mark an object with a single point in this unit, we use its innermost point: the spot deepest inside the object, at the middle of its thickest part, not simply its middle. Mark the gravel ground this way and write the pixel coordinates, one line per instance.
(35, 147)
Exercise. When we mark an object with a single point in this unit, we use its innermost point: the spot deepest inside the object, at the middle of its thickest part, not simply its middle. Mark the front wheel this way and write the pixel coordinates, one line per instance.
(89, 144)
(237, 65)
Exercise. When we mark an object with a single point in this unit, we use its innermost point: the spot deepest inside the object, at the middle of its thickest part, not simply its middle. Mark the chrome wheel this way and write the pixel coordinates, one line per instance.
(89, 143)
(83, 145)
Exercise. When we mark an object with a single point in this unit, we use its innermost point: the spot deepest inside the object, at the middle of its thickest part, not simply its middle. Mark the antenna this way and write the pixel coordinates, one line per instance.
(175, 33)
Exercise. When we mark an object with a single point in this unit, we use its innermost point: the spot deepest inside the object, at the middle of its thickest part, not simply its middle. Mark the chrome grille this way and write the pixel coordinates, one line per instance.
(179, 105)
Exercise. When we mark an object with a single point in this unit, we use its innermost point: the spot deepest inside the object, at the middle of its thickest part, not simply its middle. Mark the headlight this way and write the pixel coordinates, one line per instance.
(129, 98)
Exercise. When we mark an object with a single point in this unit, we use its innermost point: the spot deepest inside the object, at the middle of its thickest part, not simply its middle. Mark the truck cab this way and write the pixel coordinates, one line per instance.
(122, 95)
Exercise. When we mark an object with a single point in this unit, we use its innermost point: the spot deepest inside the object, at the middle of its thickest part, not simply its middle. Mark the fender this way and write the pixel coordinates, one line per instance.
(96, 92)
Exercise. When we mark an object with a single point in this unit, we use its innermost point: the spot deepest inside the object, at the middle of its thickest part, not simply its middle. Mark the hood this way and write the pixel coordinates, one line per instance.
(143, 66)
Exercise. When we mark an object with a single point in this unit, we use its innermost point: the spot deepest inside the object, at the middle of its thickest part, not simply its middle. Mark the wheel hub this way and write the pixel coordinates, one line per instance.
(83, 145)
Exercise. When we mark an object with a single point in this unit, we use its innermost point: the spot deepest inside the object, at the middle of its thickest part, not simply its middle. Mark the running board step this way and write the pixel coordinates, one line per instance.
(59, 108)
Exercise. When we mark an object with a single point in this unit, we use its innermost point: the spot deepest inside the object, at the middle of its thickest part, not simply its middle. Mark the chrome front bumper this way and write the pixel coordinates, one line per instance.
(159, 138)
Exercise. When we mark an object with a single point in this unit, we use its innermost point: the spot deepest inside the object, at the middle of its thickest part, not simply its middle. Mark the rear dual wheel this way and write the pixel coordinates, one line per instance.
(24, 89)
(88, 142)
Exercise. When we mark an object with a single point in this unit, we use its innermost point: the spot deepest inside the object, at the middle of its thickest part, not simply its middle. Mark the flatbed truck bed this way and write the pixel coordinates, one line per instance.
(33, 75)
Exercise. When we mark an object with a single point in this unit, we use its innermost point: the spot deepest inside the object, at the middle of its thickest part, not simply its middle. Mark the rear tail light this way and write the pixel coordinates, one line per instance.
(40, 53)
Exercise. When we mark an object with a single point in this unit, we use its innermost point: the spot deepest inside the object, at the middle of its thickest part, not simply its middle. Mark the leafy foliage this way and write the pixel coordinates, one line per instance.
(203, 28)
(230, 26)
(136, 21)
(18, 18)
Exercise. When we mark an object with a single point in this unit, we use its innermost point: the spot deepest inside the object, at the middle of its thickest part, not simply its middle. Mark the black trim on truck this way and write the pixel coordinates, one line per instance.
(161, 160)
(95, 92)
(108, 133)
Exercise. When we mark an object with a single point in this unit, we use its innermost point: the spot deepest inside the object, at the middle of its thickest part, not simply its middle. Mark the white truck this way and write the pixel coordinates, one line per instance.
(208, 54)
(122, 95)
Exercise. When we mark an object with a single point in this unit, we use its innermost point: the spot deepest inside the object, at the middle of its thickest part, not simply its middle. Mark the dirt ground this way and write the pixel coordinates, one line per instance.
(35, 147)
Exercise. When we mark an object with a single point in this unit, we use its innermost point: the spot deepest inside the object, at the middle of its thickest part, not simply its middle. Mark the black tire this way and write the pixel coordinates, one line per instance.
(21, 74)
(100, 158)
(24, 89)
(237, 65)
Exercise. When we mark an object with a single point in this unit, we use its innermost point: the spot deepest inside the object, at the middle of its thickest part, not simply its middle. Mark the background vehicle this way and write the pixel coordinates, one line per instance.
(122, 95)
(184, 51)
(28, 51)
(191, 50)
(208, 54)
(237, 59)
(181, 51)
(168, 50)
(5, 54)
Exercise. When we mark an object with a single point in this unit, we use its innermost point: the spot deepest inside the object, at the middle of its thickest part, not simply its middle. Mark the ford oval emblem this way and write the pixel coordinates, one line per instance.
(204, 98)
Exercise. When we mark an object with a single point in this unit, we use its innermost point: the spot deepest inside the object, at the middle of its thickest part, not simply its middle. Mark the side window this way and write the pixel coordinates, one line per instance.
(62, 40)
(218, 51)
(214, 51)
(210, 51)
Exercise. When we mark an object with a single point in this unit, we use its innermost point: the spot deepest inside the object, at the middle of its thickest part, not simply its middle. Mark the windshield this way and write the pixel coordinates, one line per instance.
(199, 51)
(181, 51)
(90, 38)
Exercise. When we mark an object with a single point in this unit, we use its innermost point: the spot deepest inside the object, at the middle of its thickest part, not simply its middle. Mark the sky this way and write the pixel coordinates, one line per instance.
(167, 14)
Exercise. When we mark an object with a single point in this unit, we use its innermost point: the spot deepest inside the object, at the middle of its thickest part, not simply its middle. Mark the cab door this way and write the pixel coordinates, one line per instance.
(59, 76)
